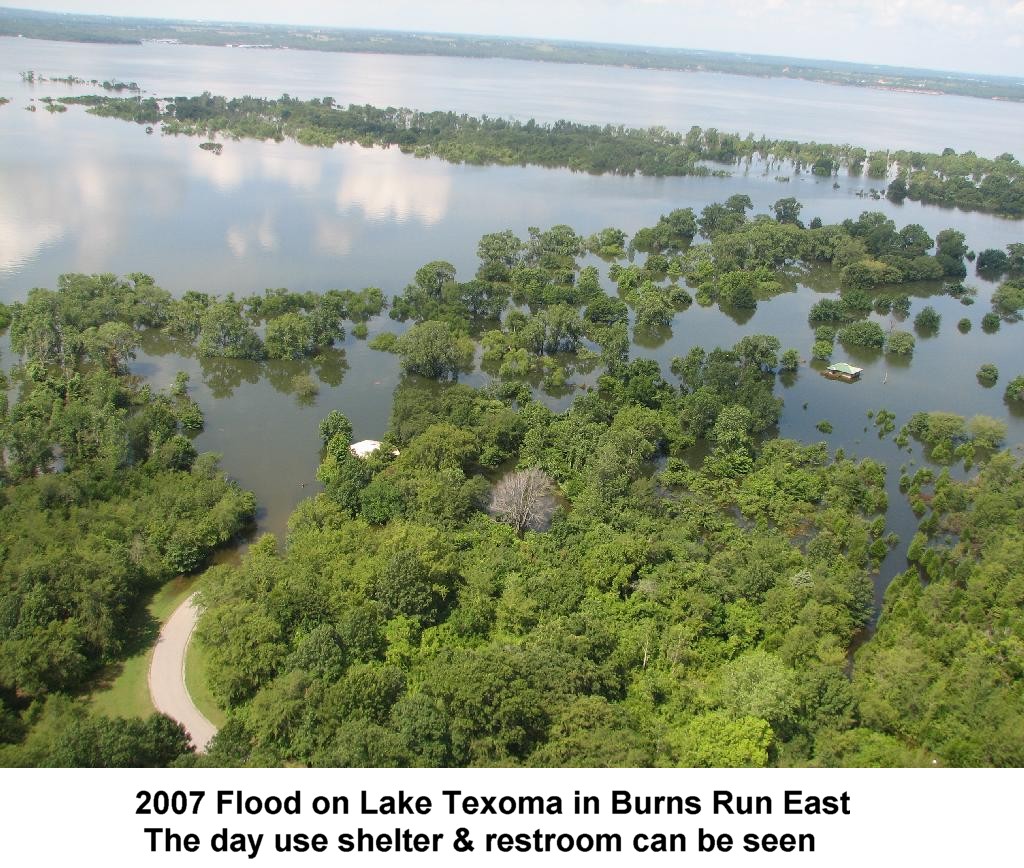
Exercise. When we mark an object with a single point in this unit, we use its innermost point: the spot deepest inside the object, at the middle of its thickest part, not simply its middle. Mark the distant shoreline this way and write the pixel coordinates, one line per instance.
(693, 69)
(139, 31)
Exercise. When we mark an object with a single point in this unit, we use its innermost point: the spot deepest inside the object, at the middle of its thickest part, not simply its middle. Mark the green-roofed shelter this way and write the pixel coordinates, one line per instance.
(844, 370)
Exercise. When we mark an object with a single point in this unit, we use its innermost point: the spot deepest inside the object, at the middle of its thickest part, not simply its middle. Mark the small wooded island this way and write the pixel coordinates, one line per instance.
(966, 181)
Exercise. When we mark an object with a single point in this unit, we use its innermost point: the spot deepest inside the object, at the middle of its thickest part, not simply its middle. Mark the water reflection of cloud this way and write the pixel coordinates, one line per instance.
(265, 234)
(92, 186)
(299, 170)
(390, 185)
(86, 193)
(237, 241)
(94, 243)
(21, 239)
(333, 237)
(241, 237)
(83, 198)
(225, 170)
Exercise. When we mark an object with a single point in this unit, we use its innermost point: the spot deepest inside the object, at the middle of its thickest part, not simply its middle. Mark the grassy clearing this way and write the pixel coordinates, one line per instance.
(122, 689)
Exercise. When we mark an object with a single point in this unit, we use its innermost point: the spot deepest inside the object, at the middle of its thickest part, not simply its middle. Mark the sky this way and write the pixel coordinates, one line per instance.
(985, 36)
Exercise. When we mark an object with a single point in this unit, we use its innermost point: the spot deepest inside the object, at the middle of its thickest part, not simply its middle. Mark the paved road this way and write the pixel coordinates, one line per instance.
(167, 675)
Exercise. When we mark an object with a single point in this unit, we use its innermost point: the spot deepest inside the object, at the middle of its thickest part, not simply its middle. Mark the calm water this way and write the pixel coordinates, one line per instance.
(781, 108)
(79, 193)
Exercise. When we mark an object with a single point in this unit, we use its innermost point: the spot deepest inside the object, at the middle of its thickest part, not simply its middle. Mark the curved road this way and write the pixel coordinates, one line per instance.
(167, 675)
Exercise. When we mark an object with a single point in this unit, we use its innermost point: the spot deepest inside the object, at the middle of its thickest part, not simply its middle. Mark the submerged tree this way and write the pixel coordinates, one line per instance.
(433, 349)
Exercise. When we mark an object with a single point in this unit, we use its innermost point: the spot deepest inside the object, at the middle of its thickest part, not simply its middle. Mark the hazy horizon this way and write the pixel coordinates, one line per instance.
(983, 38)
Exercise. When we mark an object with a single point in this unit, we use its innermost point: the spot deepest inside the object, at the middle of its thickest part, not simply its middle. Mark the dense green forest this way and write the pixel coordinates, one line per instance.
(647, 578)
(503, 585)
(965, 180)
(946, 667)
(662, 619)
(117, 30)
(690, 617)
(103, 498)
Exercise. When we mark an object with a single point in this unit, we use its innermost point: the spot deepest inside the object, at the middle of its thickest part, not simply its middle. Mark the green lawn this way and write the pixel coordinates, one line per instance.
(122, 689)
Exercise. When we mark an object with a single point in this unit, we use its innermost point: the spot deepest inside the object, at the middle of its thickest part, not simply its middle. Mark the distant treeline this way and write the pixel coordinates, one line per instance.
(87, 28)
(965, 180)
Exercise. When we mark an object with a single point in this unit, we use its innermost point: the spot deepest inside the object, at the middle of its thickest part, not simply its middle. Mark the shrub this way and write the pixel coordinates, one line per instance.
(737, 288)
(863, 334)
(827, 310)
(992, 261)
(515, 364)
(822, 350)
(990, 322)
(305, 387)
(289, 336)
(987, 432)
(856, 301)
(964, 325)
(1010, 296)
(336, 424)
(385, 342)
(927, 319)
(901, 343)
(988, 374)
(180, 385)
(433, 349)
(866, 273)
(1015, 389)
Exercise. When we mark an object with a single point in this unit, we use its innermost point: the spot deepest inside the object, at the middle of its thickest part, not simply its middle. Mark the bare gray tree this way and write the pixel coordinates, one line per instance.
(524, 499)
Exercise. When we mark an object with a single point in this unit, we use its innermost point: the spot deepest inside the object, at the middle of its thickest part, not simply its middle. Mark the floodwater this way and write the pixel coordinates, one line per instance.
(79, 193)
(776, 107)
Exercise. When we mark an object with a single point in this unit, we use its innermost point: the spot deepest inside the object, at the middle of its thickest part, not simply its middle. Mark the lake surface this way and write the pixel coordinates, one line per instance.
(79, 193)
(776, 107)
